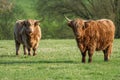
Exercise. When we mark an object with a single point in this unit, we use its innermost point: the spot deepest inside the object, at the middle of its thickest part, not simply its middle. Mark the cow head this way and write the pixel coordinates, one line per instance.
(30, 25)
(77, 26)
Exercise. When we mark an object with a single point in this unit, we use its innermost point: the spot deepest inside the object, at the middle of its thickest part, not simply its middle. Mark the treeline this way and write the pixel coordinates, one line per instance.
(8, 15)
(86, 9)
(53, 11)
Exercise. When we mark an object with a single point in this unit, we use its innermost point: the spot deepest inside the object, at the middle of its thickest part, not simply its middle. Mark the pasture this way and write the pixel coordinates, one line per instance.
(57, 60)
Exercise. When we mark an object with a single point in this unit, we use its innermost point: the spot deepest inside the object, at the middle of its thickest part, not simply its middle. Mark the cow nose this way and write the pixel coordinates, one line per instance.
(30, 31)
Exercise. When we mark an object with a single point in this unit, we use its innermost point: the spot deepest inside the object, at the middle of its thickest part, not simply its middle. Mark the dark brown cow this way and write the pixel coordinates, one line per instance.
(28, 33)
(93, 35)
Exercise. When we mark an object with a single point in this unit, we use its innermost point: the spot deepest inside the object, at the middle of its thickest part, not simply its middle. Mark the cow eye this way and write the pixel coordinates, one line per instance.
(29, 24)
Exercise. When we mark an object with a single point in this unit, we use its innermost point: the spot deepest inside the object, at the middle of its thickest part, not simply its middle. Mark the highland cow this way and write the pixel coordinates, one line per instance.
(93, 35)
(28, 33)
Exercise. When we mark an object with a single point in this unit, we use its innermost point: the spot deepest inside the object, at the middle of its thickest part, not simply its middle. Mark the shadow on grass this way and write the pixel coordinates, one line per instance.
(37, 62)
(3, 56)
(11, 59)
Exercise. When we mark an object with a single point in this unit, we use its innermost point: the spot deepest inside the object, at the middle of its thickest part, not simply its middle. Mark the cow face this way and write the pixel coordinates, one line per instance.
(30, 25)
(77, 26)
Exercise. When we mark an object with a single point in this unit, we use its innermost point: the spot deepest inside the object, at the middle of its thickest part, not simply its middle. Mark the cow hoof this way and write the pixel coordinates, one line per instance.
(17, 54)
(83, 61)
(34, 54)
(89, 61)
(106, 60)
(25, 53)
(29, 54)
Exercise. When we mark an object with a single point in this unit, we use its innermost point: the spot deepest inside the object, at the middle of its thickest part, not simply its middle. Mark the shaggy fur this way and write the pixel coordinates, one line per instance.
(28, 33)
(93, 35)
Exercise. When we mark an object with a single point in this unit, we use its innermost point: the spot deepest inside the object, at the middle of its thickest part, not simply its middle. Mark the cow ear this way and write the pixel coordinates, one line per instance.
(36, 22)
(70, 24)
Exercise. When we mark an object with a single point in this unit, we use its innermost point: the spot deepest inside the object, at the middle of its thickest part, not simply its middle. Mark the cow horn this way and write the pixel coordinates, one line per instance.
(67, 18)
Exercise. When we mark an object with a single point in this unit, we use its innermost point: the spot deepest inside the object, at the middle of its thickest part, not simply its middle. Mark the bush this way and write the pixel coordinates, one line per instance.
(9, 13)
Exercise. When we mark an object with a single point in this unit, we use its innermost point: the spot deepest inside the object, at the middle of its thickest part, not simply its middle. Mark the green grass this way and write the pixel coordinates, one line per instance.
(57, 60)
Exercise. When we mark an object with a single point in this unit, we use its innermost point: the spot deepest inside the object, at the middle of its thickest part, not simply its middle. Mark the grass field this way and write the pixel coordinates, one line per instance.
(57, 60)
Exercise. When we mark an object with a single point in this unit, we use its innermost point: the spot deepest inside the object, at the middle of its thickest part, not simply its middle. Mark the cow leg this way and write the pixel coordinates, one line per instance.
(83, 57)
(105, 55)
(34, 51)
(24, 48)
(107, 52)
(29, 51)
(90, 54)
(17, 44)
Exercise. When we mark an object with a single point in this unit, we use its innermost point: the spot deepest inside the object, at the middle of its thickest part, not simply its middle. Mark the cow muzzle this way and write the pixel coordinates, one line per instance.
(29, 32)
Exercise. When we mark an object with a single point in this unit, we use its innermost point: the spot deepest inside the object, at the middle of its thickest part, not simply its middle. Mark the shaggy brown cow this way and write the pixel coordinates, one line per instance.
(28, 33)
(93, 35)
